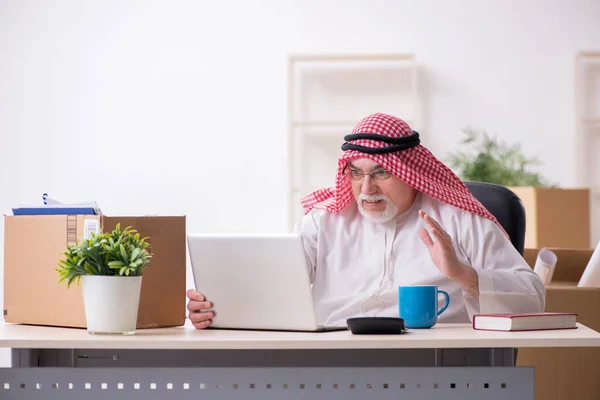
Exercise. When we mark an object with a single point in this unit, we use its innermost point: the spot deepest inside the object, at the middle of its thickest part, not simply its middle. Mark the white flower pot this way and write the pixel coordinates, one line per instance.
(111, 303)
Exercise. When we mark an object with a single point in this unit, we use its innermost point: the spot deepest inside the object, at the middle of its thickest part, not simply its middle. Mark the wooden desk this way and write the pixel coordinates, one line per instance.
(452, 360)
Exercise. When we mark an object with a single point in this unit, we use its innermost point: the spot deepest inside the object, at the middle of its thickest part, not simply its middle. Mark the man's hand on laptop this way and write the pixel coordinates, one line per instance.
(197, 307)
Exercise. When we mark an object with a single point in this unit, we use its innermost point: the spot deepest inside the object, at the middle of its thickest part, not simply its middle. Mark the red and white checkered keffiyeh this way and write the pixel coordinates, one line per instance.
(416, 166)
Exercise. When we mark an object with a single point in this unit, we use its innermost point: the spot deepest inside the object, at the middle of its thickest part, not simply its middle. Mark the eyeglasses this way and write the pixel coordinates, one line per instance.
(357, 176)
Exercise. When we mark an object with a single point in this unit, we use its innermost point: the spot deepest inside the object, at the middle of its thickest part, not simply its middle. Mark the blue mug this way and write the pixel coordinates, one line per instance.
(418, 305)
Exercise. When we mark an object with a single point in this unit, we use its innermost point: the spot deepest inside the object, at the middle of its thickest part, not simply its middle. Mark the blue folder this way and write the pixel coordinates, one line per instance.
(54, 211)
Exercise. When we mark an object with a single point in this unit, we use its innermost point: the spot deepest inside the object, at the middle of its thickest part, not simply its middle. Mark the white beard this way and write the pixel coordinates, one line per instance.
(386, 215)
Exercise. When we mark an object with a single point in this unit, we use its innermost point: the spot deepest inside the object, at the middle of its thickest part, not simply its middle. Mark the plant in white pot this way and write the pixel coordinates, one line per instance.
(109, 267)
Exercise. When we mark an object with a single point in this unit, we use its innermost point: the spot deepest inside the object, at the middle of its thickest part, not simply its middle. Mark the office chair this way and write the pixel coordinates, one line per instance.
(508, 209)
(506, 206)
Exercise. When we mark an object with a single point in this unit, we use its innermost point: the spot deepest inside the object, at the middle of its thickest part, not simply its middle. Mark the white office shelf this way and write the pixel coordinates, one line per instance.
(588, 86)
(587, 112)
(328, 95)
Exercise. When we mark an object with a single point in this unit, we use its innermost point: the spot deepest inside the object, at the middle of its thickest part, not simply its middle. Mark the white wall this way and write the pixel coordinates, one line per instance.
(179, 107)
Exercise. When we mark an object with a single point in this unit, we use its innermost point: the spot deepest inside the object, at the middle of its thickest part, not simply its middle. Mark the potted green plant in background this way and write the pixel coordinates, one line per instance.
(555, 217)
(494, 161)
(109, 267)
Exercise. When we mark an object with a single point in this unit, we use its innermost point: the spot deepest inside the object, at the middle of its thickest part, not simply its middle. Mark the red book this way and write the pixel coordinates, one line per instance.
(524, 321)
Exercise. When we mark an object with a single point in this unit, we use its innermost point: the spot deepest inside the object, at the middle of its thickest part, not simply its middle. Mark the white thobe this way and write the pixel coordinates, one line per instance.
(356, 265)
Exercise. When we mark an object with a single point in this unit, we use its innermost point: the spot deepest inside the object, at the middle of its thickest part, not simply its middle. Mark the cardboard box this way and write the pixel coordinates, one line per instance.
(567, 373)
(34, 244)
(556, 217)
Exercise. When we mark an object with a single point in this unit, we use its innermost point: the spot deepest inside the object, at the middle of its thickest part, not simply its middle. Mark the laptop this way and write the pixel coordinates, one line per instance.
(255, 281)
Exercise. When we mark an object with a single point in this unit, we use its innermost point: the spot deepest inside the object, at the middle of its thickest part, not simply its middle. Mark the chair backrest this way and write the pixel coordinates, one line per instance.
(506, 206)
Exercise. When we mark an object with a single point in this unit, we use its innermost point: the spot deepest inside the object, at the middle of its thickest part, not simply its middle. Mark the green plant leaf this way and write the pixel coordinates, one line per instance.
(135, 253)
(492, 160)
(116, 264)
(123, 253)
(90, 270)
